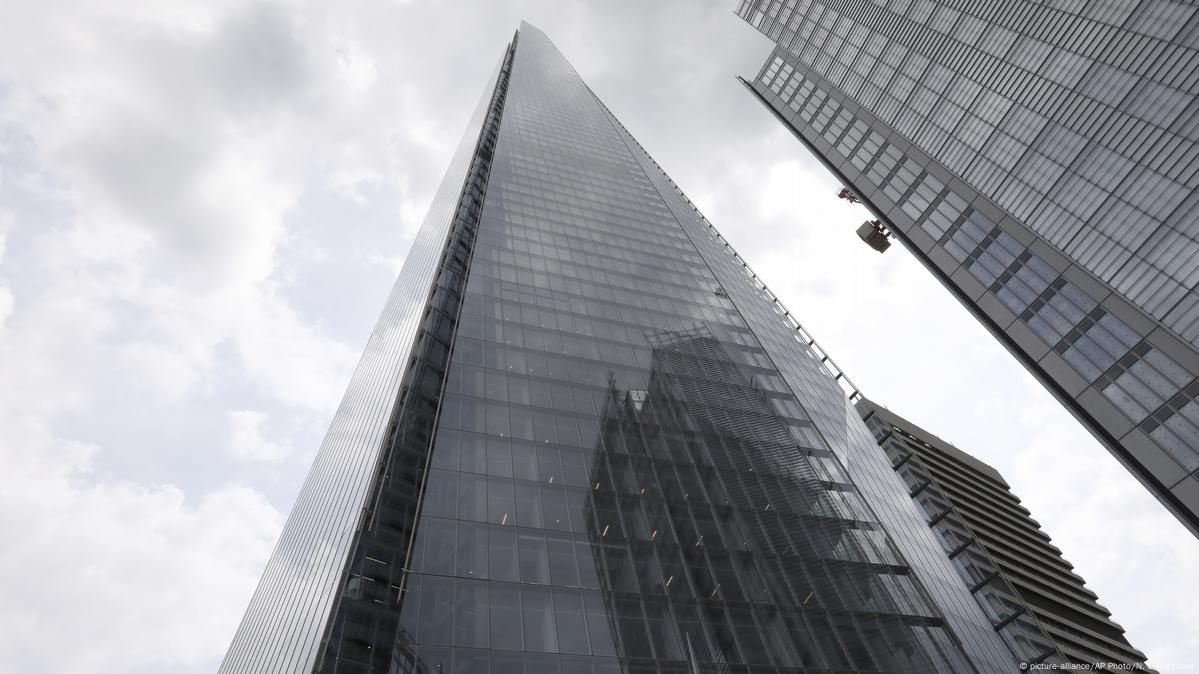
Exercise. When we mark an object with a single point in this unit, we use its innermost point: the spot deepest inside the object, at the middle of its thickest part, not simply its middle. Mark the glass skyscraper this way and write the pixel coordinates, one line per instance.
(1040, 159)
(585, 438)
(1039, 605)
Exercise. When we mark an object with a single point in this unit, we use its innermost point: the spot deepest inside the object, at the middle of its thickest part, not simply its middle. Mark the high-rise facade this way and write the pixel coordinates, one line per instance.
(1038, 604)
(1040, 159)
(585, 438)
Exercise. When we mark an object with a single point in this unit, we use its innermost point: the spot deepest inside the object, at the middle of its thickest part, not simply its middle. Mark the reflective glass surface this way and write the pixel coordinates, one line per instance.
(987, 137)
(623, 479)
(1076, 117)
(625, 456)
(805, 371)
(283, 625)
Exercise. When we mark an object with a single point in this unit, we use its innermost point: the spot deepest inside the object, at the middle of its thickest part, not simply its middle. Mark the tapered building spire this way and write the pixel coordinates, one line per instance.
(586, 438)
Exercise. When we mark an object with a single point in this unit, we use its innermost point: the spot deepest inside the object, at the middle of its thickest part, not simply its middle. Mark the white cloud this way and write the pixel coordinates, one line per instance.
(779, 196)
(392, 263)
(294, 362)
(246, 441)
(358, 68)
(159, 160)
(7, 302)
(355, 184)
(134, 576)
(157, 157)
(6, 221)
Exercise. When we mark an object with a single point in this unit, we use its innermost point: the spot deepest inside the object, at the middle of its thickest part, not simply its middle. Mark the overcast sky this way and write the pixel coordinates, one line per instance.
(203, 206)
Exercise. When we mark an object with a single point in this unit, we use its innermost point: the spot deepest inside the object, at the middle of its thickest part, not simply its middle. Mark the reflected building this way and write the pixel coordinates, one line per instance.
(715, 502)
(1039, 605)
(585, 438)
(1040, 159)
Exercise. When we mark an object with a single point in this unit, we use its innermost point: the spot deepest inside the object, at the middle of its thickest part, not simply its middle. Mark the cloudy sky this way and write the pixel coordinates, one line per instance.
(203, 206)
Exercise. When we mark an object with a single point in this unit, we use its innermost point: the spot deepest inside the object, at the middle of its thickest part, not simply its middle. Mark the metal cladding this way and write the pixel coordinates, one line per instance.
(1040, 160)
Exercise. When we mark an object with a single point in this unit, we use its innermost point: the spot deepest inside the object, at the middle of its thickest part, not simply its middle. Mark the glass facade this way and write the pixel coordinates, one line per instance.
(288, 613)
(1041, 161)
(609, 448)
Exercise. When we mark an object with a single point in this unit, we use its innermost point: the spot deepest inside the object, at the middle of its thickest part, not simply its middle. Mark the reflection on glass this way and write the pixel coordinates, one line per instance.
(618, 468)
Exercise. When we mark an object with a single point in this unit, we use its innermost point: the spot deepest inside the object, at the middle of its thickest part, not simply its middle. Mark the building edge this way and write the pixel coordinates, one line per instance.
(843, 429)
(1159, 489)
(301, 579)
(913, 450)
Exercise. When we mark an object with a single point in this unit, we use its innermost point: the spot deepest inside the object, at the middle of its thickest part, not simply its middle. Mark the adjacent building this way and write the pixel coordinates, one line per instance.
(1040, 159)
(1036, 601)
(585, 438)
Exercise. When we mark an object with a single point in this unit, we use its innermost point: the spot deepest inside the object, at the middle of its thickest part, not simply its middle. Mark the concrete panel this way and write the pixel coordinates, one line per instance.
(1050, 255)
(1105, 412)
(1187, 491)
(961, 189)
(939, 172)
(969, 285)
(900, 219)
(944, 261)
(1027, 340)
(1087, 282)
(1156, 461)
(901, 143)
(1176, 349)
(992, 307)
(1064, 375)
(883, 202)
(989, 209)
(922, 160)
(851, 173)
(921, 240)
(821, 144)
(1134, 317)
(1017, 230)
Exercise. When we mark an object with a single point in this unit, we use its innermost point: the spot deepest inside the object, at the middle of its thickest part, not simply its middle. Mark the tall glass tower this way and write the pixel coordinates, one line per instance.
(585, 438)
(1040, 159)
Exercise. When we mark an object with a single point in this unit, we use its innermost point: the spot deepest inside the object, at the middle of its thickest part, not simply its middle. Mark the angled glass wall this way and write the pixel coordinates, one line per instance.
(283, 627)
(610, 451)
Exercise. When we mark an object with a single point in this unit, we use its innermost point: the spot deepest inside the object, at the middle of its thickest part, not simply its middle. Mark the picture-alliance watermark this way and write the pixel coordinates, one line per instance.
(1104, 667)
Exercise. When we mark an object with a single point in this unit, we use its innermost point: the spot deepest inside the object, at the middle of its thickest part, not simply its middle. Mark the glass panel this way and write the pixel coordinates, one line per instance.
(534, 560)
(1026, 638)
(471, 615)
(571, 622)
(998, 600)
(636, 456)
(506, 620)
(502, 557)
(538, 617)
(472, 551)
(437, 612)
